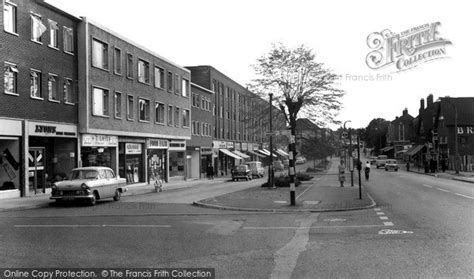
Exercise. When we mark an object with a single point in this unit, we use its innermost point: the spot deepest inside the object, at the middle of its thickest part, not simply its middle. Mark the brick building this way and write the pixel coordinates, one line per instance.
(38, 98)
(134, 107)
(400, 135)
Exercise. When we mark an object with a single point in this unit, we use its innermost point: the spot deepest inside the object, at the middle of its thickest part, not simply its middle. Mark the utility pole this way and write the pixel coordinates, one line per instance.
(270, 166)
(359, 166)
(351, 160)
(456, 161)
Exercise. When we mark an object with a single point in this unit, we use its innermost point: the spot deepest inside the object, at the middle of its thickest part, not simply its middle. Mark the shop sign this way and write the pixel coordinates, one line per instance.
(157, 144)
(10, 127)
(133, 148)
(219, 144)
(99, 140)
(245, 146)
(230, 144)
(238, 146)
(47, 130)
(206, 151)
(177, 145)
(468, 130)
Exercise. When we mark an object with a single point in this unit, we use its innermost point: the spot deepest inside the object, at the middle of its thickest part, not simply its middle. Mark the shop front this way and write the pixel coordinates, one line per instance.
(99, 150)
(131, 161)
(10, 162)
(206, 160)
(157, 156)
(177, 160)
(193, 162)
(52, 150)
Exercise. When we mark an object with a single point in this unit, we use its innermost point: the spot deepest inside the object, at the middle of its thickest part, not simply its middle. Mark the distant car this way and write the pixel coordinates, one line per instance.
(278, 166)
(89, 184)
(300, 160)
(372, 160)
(241, 172)
(391, 164)
(256, 168)
(380, 161)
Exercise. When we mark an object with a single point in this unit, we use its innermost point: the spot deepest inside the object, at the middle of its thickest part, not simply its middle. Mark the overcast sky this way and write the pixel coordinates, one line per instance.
(231, 35)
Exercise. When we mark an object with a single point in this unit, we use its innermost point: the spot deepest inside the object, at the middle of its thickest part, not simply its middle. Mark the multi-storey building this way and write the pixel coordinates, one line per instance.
(199, 148)
(241, 119)
(38, 96)
(400, 135)
(134, 106)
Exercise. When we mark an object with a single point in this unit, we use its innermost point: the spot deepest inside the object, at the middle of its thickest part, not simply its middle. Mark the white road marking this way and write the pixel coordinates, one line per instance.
(387, 223)
(312, 227)
(297, 197)
(92, 226)
(286, 257)
(335, 220)
(380, 213)
(443, 190)
(461, 195)
(377, 209)
(426, 185)
(383, 218)
(394, 232)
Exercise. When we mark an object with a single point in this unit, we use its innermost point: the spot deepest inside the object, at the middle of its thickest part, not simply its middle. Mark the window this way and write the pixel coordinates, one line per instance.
(117, 61)
(53, 88)
(160, 113)
(203, 103)
(159, 78)
(185, 86)
(143, 110)
(130, 107)
(177, 114)
(129, 65)
(35, 84)
(170, 115)
(68, 40)
(53, 34)
(100, 98)
(68, 92)
(100, 58)
(10, 78)
(37, 28)
(186, 118)
(118, 105)
(198, 128)
(193, 128)
(176, 84)
(170, 81)
(9, 17)
(143, 71)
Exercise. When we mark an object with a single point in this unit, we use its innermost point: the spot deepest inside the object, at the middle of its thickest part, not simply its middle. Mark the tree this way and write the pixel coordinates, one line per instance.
(376, 133)
(318, 148)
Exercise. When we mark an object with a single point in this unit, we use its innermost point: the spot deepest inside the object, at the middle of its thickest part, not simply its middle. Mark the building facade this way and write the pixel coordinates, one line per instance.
(400, 135)
(134, 107)
(38, 98)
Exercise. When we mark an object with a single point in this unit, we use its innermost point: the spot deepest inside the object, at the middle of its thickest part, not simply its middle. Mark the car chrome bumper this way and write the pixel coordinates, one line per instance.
(70, 198)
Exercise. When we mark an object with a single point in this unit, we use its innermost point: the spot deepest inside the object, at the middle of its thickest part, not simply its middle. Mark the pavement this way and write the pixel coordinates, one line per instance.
(449, 174)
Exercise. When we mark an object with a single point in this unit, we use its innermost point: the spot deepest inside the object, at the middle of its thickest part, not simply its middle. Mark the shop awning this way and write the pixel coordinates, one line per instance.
(412, 151)
(240, 154)
(266, 152)
(256, 153)
(282, 153)
(386, 149)
(230, 154)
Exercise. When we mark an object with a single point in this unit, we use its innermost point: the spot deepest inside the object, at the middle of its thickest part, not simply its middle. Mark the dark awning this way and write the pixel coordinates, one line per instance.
(412, 151)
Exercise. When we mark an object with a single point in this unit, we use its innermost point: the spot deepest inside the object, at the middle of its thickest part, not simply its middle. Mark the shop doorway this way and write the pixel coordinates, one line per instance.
(36, 171)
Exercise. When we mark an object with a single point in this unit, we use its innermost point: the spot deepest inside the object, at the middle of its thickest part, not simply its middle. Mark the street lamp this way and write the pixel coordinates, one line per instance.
(270, 166)
(351, 161)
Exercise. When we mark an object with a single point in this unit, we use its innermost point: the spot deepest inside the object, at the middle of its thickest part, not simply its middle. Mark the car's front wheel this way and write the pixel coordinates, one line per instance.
(93, 200)
(117, 195)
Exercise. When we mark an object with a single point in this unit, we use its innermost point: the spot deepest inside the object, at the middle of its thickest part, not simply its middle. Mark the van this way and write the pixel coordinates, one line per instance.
(256, 168)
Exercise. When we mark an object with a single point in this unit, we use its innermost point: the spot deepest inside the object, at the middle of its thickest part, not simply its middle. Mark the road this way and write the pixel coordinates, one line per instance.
(422, 227)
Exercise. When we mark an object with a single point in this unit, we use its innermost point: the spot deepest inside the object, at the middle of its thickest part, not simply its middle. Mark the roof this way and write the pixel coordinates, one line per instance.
(93, 168)
(306, 124)
(464, 107)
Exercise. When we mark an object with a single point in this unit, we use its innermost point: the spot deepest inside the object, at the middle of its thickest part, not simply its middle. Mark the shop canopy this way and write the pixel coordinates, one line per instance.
(412, 151)
(256, 153)
(240, 154)
(386, 149)
(230, 154)
(266, 152)
(282, 153)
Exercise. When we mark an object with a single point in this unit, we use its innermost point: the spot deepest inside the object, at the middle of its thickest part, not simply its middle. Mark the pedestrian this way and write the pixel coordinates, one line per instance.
(367, 170)
(408, 165)
(210, 172)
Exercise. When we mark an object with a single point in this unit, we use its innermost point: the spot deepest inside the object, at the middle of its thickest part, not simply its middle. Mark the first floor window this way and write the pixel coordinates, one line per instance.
(177, 114)
(144, 110)
(118, 104)
(68, 92)
(170, 115)
(186, 117)
(53, 88)
(100, 102)
(193, 128)
(160, 113)
(35, 84)
(130, 107)
(10, 78)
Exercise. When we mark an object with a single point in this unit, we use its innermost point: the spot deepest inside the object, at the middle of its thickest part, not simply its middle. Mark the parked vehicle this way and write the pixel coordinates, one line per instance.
(300, 160)
(380, 161)
(241, 172)
(372, 160)
(278, 166)
(256, 168)
(89, 184)
(391, 164)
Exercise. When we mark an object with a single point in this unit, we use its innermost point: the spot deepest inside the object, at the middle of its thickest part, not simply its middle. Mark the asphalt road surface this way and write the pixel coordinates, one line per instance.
(422, 227)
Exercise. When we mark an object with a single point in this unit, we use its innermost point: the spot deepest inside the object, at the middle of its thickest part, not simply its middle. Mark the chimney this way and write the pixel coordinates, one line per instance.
(429, 100)
(405, 112)
(422, 104)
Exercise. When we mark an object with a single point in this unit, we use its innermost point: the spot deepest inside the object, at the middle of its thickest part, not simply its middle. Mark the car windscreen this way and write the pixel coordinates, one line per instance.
(240, 168)
(84, 174)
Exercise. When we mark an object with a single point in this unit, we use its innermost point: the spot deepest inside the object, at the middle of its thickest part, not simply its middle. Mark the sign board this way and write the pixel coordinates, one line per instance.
(43, 129)
(219, 144)
(157, 144)
(133, 148)
(99, 140)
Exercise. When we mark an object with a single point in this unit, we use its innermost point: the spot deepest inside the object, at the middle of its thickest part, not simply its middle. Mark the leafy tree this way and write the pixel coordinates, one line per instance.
(376, 133)
(318, 148)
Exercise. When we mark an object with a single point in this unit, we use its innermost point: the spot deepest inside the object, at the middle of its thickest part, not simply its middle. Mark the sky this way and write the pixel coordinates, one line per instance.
(232, 35)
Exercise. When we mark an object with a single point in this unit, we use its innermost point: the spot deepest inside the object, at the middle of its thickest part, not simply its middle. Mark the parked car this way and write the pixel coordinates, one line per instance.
(89, 184)
(391, 164)
(300, 160)
(256, 168)
(372, 160)
(380, 161)
(241, 172)
(278, 166)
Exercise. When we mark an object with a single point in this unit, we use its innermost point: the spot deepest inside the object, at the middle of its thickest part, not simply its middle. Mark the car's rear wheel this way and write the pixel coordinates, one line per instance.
(117, 195)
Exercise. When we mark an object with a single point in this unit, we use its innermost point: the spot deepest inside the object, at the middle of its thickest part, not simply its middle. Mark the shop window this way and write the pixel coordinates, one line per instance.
(53, 88)
(100, 56)
(100, 102)
(37, 28)
(35, 84)
(9, 17)
(144, 110)
(53, 34)
(68, 40)
(160, 113)
(10, 78)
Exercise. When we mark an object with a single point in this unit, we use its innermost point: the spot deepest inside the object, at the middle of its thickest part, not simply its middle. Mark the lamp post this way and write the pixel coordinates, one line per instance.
(270, 166)
(351, 161)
